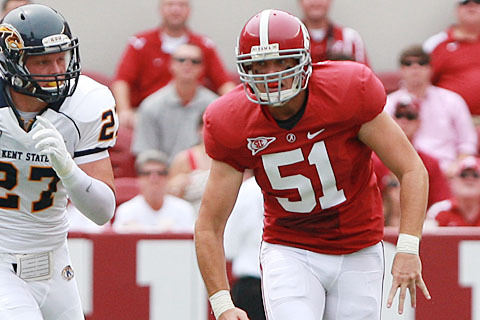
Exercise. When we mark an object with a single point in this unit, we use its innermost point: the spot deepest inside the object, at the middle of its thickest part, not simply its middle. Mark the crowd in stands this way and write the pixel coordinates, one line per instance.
(168, 75)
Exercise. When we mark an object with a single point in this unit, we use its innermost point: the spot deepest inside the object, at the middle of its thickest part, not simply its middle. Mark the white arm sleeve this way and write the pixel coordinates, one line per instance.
(92, 197)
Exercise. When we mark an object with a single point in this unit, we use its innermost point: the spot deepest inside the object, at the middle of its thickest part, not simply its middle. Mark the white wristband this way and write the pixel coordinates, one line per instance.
(407, 243)
(221, 301)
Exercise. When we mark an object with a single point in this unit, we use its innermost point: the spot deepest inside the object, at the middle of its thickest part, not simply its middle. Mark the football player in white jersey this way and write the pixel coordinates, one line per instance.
(55, 130)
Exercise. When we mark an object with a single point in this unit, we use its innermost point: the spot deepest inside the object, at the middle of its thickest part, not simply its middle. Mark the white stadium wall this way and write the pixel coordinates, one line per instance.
(155, 276)
(387, 26)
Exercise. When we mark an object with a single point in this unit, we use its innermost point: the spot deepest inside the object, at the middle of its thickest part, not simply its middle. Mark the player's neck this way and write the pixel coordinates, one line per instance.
(26, 103)
(290, 108)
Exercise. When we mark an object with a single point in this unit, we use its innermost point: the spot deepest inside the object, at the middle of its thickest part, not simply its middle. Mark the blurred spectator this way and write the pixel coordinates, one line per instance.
(123, 160)
(189, 172)
(407, 117)
(455, 55)
(9, 5)
(463, 208)
(145, 65)
(153, 210)
(242, 240)
(446, 129)
(330, 41)
(168, 119)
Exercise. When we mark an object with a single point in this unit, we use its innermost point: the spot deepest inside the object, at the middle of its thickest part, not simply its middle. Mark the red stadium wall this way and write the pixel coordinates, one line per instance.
(154, 277)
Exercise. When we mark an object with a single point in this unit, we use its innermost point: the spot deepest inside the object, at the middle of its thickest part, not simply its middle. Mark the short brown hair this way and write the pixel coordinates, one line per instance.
(414, 51)
(150, 155)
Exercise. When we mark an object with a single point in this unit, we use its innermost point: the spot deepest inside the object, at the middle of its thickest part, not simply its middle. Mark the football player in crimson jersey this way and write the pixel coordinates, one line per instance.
(308, 132)
(55, 129)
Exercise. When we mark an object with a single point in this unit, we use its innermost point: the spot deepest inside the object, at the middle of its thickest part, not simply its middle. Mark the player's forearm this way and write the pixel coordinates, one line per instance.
(92, 197)
(211, 260)
(413, 200)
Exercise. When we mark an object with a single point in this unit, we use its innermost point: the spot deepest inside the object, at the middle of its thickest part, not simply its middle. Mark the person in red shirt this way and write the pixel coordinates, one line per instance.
(308, 132)
(407, 117)
(328, 40)
(145, 65)
(463, 208)
(455, 55)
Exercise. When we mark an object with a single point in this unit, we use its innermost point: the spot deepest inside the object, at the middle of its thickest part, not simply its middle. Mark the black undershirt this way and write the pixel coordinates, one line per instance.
(289, 123)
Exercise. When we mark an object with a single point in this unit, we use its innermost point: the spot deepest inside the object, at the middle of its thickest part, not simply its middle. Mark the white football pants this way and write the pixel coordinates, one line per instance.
(54, 299)
(300, 284)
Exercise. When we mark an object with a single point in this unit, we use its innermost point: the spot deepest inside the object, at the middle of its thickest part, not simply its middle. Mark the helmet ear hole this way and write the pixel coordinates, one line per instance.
(17, 82)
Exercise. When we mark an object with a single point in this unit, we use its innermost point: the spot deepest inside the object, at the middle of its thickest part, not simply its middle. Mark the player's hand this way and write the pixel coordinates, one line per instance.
(407, 274)
(49, 142)
(234, 314)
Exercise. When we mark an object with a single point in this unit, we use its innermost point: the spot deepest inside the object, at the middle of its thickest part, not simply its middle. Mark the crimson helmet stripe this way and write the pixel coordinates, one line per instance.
(263, 32)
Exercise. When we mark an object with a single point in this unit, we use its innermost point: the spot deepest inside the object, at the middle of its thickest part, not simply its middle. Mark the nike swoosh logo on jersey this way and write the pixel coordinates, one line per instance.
(313, 135)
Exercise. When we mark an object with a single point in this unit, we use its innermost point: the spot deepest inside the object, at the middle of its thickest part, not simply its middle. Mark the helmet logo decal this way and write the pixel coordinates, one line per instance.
(13, 40)
(55, 40)
(258, 144)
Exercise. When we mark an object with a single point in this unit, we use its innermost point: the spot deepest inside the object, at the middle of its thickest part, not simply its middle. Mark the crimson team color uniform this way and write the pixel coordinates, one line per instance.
(146, 67)
(337, 41)
(456, 66)
(316, 196)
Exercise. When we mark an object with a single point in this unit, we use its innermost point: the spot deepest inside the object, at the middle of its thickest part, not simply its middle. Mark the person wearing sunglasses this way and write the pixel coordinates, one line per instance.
(329, 40)
(463, 208)
(406, 115)
(153, 210)
(445, 130)
(168, 119)
(144, 66)
(455, 54)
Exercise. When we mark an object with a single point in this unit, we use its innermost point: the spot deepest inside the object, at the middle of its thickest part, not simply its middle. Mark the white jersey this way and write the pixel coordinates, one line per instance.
(32, 198)
(135, 215)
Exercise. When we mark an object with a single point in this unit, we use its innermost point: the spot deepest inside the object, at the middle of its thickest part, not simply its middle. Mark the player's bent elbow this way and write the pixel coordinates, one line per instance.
(104, 219)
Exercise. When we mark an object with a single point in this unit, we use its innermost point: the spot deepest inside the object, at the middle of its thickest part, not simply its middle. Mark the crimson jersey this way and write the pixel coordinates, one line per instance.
(447, 214)
(146, 67)
(456, 66)
(317, 179)
(337, 43)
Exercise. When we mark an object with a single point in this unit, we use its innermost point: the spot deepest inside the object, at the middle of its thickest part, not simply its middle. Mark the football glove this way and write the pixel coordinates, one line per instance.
(48, 141)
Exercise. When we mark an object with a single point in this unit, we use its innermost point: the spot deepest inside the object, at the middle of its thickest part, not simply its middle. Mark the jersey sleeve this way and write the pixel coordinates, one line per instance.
(220, 144)
(97, 123)
(370, 94)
